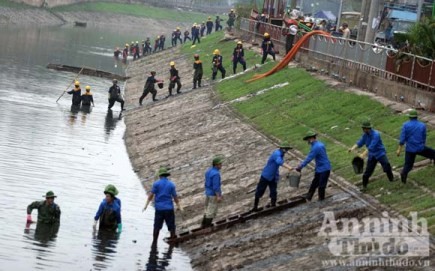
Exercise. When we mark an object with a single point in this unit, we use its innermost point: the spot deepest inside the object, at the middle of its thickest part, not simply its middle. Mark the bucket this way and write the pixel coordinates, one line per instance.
(160, 85)
(358, 165)
(294, 179)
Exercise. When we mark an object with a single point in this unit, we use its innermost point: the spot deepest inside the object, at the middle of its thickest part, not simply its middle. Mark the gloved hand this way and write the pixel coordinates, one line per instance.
(399, 150)
(363, 155)
(29, 218)
(353, 148)
(95, 224)
(179, 207)
(119, 227)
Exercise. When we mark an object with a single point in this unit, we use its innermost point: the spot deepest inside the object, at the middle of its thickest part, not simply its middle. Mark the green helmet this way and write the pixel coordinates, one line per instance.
(163, 171)
(412, 113)
(309, 134)
(111, 189)
(285, 145)
(366, 124)
(217, 160)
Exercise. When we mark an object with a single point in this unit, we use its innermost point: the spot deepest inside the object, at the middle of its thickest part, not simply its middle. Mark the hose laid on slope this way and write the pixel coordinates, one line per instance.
(290, 55)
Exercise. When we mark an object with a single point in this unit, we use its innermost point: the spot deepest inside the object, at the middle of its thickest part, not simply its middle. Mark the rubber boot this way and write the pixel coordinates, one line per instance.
(234, 71)
(390, 176)
(170, 92)
(203, 222)
(155, 238)
(322, 193)
(403, 177)
(194, 85)
(272, 202)
(256, 201)
(208, 222)
(199, 83)
(310, 194)
(178, 89)
(365, 181)
(154, 97)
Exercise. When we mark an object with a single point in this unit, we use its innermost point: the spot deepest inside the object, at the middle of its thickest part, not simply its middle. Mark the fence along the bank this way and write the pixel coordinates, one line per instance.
(383, 62)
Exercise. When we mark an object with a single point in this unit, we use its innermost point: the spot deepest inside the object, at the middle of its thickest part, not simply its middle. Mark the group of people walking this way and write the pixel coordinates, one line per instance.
(149, 46)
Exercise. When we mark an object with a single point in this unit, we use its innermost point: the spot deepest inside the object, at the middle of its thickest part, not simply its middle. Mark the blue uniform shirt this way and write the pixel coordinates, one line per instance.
(374, 144)
(271, 170)
(115, 206)
(318, 153)
(213, 182)
(414, 135)
(164, 192)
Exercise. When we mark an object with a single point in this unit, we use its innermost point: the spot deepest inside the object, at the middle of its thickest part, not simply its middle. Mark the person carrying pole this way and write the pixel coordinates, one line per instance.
(163, 192)
(270, 175)
(76, 93)
(376, 153)
(413, 134)
(322, 169)
(213, 192)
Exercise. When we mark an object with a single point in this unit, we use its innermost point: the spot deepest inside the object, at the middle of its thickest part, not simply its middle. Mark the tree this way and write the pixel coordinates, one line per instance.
(421, 38)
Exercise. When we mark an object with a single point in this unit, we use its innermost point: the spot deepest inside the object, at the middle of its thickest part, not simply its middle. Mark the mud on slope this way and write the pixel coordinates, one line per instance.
(185, 132)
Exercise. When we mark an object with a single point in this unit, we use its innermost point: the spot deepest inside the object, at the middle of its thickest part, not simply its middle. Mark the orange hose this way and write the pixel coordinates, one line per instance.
(290, 55)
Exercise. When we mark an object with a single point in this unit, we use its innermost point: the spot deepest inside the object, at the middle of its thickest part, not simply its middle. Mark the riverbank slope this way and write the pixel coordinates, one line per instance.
(185, 131)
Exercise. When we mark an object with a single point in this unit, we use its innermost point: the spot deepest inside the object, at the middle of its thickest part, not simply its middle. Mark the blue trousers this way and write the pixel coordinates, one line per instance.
(261, 188)
(167, 216)
(371, 165)
(410, 158)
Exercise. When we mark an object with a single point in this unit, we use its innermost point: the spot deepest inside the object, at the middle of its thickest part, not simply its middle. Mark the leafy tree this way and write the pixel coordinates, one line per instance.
(421, 38)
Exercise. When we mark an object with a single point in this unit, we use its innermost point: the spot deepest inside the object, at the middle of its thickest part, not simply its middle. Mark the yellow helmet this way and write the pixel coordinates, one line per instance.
(209, 18)
(266, 35)
(216, 52)
(88, 88)
(77, 83)
(178, 28)
(194, 24)
(239, 42)
(126, 45)
(158, 37)
(172, 63)
(232, 9)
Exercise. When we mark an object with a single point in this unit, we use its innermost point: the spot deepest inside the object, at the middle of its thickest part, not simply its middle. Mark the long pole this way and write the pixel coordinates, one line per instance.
(340, 10)
(75, 79)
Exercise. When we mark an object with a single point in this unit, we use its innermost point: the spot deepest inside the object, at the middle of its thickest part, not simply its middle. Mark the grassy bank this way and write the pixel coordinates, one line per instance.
(138, 10)
(10, 4)
(309, 104)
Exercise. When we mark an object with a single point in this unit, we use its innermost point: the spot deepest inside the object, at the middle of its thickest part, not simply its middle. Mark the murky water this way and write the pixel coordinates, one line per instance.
(47, 146)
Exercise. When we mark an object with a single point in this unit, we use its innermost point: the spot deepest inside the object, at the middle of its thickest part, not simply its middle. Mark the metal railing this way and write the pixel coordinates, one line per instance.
(379, 60)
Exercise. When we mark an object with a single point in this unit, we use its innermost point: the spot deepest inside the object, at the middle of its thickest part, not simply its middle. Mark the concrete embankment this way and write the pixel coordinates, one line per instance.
(185, 132)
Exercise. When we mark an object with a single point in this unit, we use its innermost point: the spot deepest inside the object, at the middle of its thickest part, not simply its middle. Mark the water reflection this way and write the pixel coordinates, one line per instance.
(44, 233)
(111, 121)
(104, 244)
(157, 264)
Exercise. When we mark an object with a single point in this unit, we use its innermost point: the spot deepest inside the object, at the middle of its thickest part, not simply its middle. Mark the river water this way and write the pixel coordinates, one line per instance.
(48, 146)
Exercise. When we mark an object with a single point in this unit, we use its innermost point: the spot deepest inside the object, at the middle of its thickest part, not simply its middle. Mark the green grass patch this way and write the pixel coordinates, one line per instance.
(138, 10)
(306, 104)
(10, 4)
